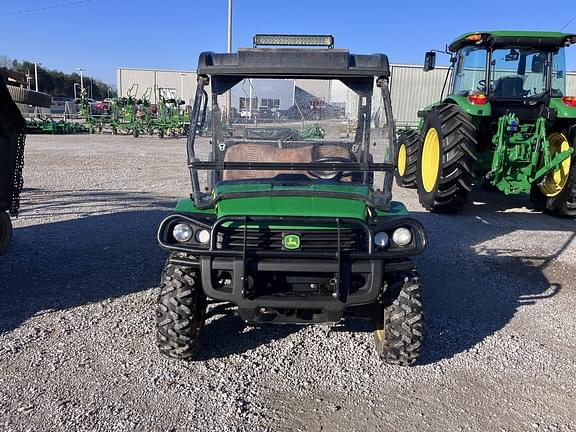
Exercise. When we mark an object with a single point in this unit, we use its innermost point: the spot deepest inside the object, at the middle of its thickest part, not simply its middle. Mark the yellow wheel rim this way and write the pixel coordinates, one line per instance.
(555, 181)
(430, 160)
(402, 160)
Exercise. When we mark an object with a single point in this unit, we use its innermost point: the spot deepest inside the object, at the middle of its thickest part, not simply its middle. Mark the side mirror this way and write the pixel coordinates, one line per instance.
(538, 62)
(429, 61)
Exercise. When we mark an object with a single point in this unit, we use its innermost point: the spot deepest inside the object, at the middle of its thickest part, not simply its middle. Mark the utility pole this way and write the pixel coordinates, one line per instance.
(81, 80)
(182, 75)
(229, 95)
(36, 74)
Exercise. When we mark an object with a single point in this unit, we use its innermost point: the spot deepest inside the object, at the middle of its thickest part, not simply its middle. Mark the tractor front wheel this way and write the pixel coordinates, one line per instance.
(5, 232)
(180, 312)
(407, 158)
(446, 157)
(398, 333)
(556, 193)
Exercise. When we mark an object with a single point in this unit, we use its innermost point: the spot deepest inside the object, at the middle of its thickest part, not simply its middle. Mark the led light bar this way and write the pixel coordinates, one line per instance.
(293, 40)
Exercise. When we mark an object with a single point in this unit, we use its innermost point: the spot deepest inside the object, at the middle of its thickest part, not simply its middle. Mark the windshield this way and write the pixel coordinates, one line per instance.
(515, 72)
(295, 131)
(519, 72)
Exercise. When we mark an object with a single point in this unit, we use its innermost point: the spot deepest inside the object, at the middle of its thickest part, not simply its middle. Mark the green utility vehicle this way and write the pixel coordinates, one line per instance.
(284, 229)
(506, 122)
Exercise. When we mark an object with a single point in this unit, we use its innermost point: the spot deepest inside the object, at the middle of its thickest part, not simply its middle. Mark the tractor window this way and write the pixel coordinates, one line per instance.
(518, 72)
(470, 71)
(559, 74)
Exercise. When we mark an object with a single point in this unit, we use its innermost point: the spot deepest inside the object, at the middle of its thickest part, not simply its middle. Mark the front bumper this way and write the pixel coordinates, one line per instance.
(293, 286)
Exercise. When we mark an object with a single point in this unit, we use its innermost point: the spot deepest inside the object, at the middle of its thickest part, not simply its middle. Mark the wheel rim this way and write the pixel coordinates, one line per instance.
(555, 181)
(430, 160)
(402, 160)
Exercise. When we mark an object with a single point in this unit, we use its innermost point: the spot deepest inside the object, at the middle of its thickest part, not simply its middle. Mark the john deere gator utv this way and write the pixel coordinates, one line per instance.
(506, 122)
(282, 229)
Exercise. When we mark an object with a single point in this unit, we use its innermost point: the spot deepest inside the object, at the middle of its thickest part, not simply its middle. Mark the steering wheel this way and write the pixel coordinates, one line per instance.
(481, 85)
(330, 175)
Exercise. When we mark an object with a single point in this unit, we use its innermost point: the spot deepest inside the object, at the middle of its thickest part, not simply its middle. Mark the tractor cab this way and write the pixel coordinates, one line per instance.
(523, 70)
(506, 123)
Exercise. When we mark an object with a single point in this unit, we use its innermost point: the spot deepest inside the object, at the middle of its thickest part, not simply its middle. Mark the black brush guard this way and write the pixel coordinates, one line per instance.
(246, 266)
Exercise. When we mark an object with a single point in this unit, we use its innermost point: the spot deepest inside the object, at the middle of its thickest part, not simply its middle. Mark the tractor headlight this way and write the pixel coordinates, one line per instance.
(381, 239)
(203, 236)
(182, 232)
(402, 236)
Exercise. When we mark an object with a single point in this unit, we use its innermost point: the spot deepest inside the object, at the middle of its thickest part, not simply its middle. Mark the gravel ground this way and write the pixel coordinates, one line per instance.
(78, 292)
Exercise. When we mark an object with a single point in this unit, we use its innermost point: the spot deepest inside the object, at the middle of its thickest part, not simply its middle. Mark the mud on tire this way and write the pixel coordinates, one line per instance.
(398, 333)
(180, 311)
(457, 156)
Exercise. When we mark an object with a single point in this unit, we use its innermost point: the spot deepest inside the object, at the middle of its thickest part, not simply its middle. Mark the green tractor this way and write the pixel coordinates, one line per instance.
(286, 229)
(506, 123)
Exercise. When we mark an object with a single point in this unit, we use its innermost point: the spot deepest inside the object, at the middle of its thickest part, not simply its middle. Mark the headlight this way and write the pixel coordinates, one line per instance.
(203, 236)
(182, 232)
(402, 236)
(381, 239)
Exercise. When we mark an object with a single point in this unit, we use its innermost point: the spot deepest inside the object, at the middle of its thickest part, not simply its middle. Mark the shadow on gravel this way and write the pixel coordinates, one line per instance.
(39, 204)
(64, 264)
(472, 290)
(226, 335)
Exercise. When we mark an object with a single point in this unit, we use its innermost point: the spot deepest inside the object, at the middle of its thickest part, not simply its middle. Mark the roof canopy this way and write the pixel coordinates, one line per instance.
(518, 38)
(293, 63)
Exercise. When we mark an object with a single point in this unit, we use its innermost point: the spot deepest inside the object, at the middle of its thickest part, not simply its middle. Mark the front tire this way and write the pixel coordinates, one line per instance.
(446, 159)
(407, 158)
(5, 232)
(180, 312)
(556, 195)
(398, 333)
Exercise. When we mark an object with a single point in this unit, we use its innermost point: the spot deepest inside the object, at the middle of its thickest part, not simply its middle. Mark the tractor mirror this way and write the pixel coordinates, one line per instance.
(538, 62)
(429, 61)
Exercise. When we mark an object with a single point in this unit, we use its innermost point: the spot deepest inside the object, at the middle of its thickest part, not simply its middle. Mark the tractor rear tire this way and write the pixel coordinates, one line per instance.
(398, 333)
(180, 312)
(446, 156)
(407, 158)
(562, 204)
(5, 232)
(29, 97)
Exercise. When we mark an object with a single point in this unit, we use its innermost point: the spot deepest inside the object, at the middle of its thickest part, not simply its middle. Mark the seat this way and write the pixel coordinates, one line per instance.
(509, 86)
(252, 152)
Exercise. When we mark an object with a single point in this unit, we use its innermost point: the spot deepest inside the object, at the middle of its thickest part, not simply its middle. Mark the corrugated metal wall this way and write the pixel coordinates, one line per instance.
(571, 84)
(182, 84)
(411, 89)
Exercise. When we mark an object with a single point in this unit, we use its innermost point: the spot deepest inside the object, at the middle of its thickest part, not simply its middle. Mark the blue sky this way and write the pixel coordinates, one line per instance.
(101, 35)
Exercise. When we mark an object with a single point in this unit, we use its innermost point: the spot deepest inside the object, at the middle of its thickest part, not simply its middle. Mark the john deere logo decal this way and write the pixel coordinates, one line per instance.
(291, 241)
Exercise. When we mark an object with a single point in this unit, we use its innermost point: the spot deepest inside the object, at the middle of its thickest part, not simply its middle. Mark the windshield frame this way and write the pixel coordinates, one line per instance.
(364, 87)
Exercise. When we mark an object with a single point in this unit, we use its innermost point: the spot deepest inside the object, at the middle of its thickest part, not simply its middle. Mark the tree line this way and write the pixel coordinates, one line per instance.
(57, 83)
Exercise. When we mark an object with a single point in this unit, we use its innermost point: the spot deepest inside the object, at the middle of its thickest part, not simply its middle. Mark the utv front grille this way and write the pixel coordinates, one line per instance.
(351, 239)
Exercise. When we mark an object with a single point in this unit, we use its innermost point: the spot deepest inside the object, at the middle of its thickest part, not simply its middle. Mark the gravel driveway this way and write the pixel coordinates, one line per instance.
(78, 291)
